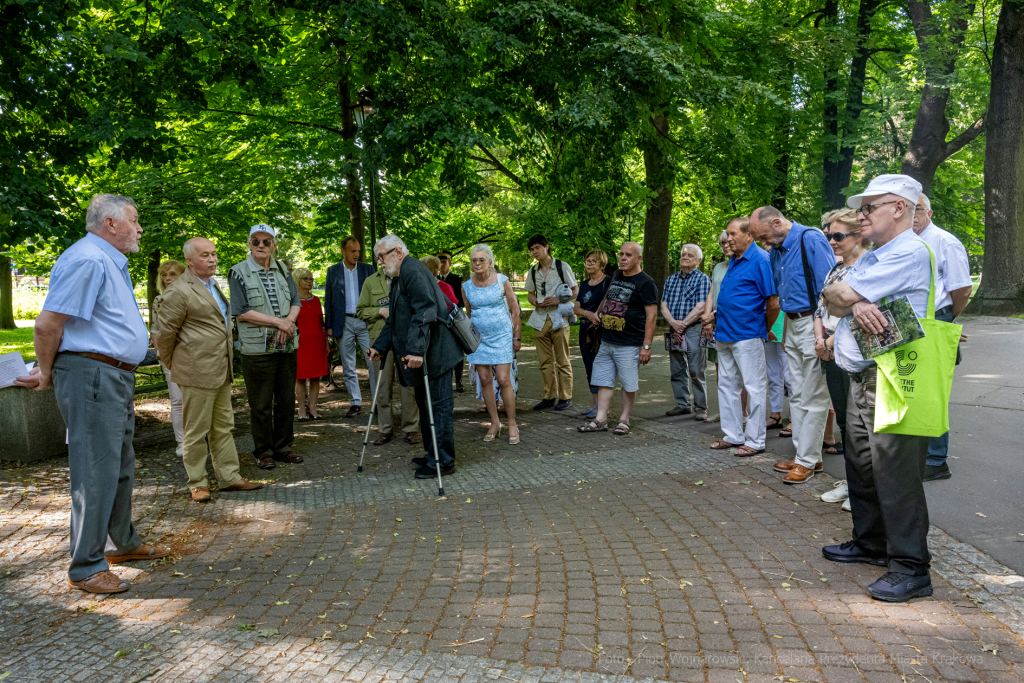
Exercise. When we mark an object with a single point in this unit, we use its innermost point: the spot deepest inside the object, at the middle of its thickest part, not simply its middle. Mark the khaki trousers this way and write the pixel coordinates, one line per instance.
(208, 415)
(410, 412)
(553, 354)
(808, 404)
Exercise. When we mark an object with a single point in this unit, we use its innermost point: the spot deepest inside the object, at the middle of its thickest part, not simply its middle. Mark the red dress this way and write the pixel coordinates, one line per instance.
(312, 360)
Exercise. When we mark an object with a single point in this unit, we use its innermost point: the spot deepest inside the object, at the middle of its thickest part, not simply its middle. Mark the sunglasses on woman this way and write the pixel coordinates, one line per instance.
(838, 236)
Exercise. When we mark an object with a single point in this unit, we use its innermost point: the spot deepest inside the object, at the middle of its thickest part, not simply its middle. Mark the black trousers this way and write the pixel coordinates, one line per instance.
(443, 402)
(883, 471)
(459, 369)
(270, 386)
(838, 381)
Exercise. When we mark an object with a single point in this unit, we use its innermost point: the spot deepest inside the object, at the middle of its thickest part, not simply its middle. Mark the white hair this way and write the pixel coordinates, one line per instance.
(485, 249)
(722, 236)
(388, 242)
(700, 252)
(104, 206)
(925, 202)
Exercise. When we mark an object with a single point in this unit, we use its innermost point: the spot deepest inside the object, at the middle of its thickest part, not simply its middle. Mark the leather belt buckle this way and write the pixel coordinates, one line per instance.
(801, 314)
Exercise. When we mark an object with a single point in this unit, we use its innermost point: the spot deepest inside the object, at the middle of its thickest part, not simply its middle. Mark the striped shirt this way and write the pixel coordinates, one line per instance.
(267, 278)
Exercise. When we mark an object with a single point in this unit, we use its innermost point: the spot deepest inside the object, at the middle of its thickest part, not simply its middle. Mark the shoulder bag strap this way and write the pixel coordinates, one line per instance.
(558, 267)
(808, 273)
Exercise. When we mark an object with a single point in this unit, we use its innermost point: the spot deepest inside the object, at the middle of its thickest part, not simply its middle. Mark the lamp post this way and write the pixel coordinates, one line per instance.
(362, 110)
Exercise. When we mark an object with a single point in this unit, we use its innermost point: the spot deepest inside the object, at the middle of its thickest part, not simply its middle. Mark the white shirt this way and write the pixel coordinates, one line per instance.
(902, 267)
(351, 288)
(951, 262)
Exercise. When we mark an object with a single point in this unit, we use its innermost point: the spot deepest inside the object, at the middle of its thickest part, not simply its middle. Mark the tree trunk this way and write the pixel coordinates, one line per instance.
(838, 164)
(928, 147)
(659, 173)
(6, 294)
(152, 280)
(830, 115)
(1002, 283)
(352, 190)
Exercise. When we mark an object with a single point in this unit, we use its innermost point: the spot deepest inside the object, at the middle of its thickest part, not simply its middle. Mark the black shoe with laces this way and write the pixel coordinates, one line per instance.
(849, 552)
(564, 404)
(545, 404)
(420, 462)
(936, 472)
(429, 472)
(898, 587)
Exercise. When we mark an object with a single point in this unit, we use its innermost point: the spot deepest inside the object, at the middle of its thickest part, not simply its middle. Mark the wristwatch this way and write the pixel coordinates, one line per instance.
(647, 347)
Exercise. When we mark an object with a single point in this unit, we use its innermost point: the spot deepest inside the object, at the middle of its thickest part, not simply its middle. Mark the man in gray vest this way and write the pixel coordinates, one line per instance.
(265, 303)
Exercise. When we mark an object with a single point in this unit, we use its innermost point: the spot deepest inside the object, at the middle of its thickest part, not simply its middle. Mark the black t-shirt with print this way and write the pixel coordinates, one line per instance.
(624, 315)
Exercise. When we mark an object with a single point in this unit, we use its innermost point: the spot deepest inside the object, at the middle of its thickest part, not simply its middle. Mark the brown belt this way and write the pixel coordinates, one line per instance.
(119, 364)
(801, 314)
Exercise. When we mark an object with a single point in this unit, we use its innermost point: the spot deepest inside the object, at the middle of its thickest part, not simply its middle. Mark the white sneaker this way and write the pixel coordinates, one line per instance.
(179, 451)
(837, 495)
(846, 505)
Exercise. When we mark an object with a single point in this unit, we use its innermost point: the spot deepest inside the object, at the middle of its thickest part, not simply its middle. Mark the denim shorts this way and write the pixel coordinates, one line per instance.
(623, 361)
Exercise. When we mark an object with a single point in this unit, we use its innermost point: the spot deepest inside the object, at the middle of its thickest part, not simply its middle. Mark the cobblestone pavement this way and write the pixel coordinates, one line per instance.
(568, 558)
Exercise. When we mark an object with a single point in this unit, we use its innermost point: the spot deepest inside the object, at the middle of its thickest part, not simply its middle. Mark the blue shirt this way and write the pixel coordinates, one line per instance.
(212, 289)
(90, 283)
(901, 267)
(788, 267)
(743, 299)
(351, 288)
(683, 292)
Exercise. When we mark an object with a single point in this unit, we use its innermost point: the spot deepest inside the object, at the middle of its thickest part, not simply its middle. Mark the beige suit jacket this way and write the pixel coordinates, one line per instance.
(194, 342)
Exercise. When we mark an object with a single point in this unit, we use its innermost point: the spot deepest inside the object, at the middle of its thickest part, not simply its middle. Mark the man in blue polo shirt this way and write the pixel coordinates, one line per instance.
(89, 339)
(801, 258)
(747, 309)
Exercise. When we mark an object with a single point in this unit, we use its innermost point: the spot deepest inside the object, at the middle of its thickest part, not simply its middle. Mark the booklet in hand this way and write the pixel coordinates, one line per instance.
(903, 328)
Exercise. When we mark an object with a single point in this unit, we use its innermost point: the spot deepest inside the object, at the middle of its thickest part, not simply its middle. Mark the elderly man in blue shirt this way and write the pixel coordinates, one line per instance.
(801, 258)
(747, 309)
(890, 511)
(89, 339)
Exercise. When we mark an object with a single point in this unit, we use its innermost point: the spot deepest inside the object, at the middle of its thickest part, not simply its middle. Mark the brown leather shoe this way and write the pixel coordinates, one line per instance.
(288, 457)
(243, 485)
(798, 475)
(143, 552)
(383, 439)
(201, 494)
(101, 582)
(353, 411)
(266, 462)
(790, 464)
(412, 437)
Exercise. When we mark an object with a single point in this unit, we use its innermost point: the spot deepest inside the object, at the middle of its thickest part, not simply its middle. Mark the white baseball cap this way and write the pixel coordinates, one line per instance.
(888, 183)
(262, 227)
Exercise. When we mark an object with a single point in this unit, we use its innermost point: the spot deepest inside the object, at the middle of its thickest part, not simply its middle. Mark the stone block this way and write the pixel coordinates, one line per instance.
(31, 426)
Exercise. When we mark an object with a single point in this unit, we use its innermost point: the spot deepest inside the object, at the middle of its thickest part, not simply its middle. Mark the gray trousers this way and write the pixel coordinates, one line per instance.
(688, 367)
(355, 333)
(96, 402)
(883, 471)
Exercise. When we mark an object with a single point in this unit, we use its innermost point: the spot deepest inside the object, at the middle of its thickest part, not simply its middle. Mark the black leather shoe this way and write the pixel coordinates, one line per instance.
(563, 405)
(897, 587)
(429, 472)
(849, 552)
(459, 388)
(420, 462)
(936, 472)
(353, 411)
(545, 404)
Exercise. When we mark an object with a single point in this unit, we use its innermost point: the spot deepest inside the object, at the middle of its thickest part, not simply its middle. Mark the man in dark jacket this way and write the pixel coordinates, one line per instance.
(415, 328)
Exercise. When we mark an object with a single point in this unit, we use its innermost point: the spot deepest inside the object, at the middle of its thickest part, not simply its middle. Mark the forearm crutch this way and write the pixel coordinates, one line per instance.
(430, 419)
(373, 408)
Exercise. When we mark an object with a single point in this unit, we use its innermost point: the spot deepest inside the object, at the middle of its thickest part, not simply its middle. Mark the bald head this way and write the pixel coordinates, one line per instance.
(201, 256)
(768, 225)
(630, 257)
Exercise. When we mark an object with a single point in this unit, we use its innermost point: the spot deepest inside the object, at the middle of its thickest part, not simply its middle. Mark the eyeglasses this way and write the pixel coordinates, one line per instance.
(380, 257)
(838, 236)
(479, 260)
(867, 209)
(268, 242)
(590, 262)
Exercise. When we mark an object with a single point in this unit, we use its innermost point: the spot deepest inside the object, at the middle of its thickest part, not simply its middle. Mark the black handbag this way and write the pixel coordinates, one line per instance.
(592, 338)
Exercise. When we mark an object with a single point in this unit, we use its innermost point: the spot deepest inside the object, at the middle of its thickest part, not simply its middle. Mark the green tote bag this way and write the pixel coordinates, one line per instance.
(914, 381)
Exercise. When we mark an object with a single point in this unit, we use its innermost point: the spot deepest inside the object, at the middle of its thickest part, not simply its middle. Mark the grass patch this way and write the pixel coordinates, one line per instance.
(18, 340)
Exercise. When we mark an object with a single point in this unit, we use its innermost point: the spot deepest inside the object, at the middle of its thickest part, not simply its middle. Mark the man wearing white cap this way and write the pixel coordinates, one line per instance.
(952, 292)
(890, 512)
(265, 302)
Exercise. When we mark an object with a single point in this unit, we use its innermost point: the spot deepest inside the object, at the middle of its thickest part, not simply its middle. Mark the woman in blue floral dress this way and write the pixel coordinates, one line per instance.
(493, 307)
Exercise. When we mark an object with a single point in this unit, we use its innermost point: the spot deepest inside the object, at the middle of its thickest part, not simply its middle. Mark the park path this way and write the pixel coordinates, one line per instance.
(567, 558)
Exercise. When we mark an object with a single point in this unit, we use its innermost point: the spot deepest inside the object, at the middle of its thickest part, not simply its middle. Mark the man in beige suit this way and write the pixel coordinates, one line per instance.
(195, 343)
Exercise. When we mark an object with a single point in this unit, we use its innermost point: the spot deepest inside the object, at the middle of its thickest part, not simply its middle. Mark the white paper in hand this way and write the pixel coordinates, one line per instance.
(12, 365)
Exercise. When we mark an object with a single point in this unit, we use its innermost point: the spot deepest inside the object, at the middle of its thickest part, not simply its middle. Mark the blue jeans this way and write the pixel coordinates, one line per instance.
(442, 399)
(938, 446)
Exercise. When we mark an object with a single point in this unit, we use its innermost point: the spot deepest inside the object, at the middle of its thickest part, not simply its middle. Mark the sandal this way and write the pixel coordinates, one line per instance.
(786, 433)
(302, 418)
(594, 426)
(143, 552)
(747, 451)
(834, 448)
(774, 425)
(622, 429)
(101, 582)
(712, 418)
(723, 445)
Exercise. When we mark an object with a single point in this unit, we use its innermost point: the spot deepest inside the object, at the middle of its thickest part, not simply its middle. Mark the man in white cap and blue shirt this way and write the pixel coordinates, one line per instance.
(952, 292)
(265, 303)
(890, 512)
